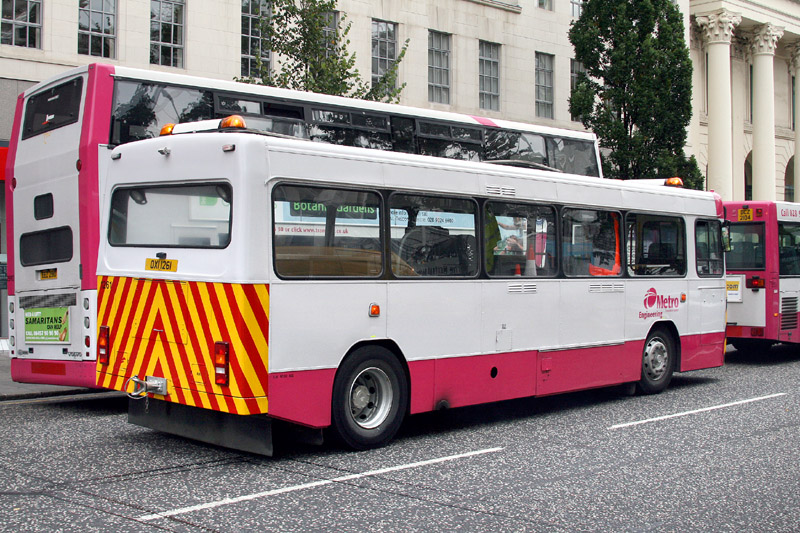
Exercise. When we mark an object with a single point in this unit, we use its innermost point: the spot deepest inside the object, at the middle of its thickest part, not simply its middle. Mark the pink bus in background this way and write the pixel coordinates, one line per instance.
(763, 273)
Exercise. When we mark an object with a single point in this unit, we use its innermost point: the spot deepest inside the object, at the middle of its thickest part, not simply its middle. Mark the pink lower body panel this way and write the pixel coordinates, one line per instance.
(706, 350)
(64, 373)
(305, 397)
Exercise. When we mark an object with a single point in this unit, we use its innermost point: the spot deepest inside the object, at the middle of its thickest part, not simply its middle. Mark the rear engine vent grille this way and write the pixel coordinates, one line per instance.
(788, 313)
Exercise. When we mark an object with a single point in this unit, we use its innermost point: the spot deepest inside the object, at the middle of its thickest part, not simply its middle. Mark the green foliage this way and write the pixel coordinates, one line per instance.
(637, 88)
(306, 57)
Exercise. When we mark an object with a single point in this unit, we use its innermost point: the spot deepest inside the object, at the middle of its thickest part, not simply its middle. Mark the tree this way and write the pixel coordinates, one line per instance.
(635, 93)
(309, 47)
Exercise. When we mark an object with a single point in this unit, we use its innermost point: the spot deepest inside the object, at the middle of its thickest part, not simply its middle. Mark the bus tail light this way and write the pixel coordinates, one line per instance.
(755, 283)
(103, 345)
(221, 363)
(756, 332)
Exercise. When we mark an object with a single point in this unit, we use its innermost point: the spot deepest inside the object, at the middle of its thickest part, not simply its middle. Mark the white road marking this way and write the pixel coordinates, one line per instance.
(695, 411)
(313, 484)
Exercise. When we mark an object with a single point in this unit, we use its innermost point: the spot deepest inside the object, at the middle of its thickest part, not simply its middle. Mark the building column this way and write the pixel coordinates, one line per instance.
(796, 69)
(717, 30)
(764, 42)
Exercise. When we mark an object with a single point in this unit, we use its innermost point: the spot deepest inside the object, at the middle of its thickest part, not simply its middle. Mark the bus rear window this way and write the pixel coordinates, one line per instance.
(48, 246)
(746, 247)
(183, 216)
(53, 108)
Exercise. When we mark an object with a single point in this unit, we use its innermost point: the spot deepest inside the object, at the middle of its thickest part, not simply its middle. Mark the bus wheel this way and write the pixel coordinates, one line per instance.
(658, 362)
(370, 398)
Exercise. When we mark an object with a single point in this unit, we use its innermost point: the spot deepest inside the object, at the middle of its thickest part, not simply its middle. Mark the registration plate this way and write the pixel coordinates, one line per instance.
(161, 265)
(745, 215)
(50, 273)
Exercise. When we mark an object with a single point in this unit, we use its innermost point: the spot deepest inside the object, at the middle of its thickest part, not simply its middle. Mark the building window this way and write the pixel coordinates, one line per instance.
(575, 70)
(546, 4)
(331, 32)
(489, 75)
(384, 48)
(576, 7)
(438, 67)
(166, 32)
(21, 23)
(97, 28)
(252, 44)
(544, 85)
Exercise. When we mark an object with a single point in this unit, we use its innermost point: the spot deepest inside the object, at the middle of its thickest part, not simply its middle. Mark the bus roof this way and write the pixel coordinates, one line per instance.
(473, 178)
(322, 99)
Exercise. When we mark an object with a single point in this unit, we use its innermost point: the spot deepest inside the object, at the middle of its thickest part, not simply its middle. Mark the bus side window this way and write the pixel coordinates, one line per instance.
(323, 232)
(519, 240)
(433, 236)
(656, 245)
(708, 246)
(591, 242)
(789, 249)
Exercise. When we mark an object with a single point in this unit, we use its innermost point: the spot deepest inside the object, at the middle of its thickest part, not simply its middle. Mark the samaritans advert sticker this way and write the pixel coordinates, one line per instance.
(50, 324)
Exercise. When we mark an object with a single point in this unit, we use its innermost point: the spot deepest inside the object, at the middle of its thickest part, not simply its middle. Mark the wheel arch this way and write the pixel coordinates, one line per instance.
(390, 346)
(670, 327)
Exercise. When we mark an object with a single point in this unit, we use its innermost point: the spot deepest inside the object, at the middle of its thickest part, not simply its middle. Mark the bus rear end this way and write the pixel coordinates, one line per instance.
(754, 283)
(51, 309)
(183, 325)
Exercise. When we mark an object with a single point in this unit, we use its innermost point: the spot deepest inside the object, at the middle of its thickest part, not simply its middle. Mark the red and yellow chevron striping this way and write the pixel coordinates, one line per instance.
(167, 329)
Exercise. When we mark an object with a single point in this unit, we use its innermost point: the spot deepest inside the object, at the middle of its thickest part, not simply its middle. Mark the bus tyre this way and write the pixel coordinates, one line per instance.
(658, 362)
(370, 398)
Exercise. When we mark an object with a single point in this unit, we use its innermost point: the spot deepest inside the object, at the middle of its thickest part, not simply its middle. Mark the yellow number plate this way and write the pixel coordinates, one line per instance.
(50, 273)
(745, 215)
(161, 265)
(732, 286)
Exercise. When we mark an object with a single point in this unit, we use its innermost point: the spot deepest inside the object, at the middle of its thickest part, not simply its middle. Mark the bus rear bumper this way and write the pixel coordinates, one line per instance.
(48, 372)
(251, 433)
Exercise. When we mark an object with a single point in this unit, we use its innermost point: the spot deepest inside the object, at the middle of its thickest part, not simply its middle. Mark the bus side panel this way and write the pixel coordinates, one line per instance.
(169, 329)
(480, 379)
(587, 368)
(94, 131)
(302, 397)
(706, 350)
(11, 245)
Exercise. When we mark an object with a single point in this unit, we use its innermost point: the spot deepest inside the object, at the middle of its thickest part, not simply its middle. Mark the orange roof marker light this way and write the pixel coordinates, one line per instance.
(233, 121)
(166, 129)
(674, 182)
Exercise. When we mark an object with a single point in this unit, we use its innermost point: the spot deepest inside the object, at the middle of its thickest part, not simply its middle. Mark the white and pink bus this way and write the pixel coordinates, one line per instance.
(64, 130)
(763, 273)
(244, 275)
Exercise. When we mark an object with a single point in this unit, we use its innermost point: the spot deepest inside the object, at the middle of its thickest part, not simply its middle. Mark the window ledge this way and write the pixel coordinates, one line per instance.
(514, 8)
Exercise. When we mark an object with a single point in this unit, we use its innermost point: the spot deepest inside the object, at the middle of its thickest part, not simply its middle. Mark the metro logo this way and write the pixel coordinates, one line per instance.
(653, 300)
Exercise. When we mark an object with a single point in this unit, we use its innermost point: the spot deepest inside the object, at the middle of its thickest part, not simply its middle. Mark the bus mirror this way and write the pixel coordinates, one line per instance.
(726, 236)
